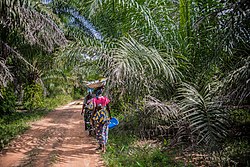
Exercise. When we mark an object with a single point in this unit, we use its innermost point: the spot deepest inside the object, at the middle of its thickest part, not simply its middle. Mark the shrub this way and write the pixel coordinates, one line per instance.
(7, 101)
(233, 153)
(53, 102)
(33, 97)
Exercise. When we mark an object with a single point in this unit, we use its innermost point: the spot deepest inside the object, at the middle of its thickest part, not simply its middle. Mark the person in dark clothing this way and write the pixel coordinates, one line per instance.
(87, 109)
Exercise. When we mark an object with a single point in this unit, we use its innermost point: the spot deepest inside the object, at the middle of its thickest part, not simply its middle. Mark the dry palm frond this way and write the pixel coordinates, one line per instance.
(237, 84)
(162, 110)
(13, 52)
(155, 118)
(5, 74)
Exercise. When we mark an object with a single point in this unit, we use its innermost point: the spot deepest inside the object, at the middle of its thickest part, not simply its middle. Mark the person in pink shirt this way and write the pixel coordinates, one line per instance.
(104, 101)
(101, 117)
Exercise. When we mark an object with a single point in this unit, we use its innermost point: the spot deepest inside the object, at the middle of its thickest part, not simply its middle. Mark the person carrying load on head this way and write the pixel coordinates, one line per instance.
(100, 118)
(87, 109)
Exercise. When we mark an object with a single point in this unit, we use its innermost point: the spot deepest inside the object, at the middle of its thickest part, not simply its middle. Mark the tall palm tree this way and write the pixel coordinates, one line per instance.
(29, 20)
(127, 43)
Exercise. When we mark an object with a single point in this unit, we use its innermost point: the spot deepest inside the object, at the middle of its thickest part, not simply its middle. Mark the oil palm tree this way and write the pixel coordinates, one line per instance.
(30, 21)
(200, 109)
(30, 18)
(130, 31)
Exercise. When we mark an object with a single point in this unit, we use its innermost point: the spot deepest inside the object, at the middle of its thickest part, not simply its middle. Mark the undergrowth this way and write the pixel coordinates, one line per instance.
(53, 102)
(123, 151)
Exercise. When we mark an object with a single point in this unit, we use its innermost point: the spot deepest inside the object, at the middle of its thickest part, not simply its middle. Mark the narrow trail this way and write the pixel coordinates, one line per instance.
(58, 140)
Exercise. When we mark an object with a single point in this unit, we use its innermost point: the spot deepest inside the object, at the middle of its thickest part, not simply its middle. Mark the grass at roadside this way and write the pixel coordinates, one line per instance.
(16, 123)
(51, 103)
(127, 150)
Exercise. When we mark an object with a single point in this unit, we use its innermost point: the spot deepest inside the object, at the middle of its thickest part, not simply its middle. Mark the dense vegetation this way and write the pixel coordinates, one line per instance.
(178, 71)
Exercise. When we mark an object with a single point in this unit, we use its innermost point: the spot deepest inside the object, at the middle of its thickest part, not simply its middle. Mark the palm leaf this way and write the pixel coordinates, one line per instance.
(207, 121)
(166, 111)
(132, 62)
(236, 87)
(139, 14)
(36, 27)
(5, 74)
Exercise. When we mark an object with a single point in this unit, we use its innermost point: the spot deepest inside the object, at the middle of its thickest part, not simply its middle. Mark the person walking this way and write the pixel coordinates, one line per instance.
(100, 118)
(87, 109)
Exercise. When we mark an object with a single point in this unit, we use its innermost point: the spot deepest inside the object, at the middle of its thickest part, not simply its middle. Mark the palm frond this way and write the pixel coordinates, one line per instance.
(5, 74)
(200, 108)
(37, 28)
(17, 55)
(164, 111)
(5, 71)
(83, 51)
(135, 66)
(41, 30)
(237, 84)
(139, 14)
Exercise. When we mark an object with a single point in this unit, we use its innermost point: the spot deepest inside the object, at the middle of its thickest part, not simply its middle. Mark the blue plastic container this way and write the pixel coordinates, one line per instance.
(113, 123)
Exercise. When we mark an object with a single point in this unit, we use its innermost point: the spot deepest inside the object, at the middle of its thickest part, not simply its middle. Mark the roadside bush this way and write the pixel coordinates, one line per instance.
(33, 97)
(234, 153)
(52, 102)
(7, 101)
(77, 93)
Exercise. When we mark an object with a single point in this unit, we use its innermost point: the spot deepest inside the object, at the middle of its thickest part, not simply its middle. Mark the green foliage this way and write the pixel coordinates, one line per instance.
(233, 153)
(220, 33)
(54, 101)
(77, 93)
(200, 110)
(7, 101)
(122, 151)
(33, 97)
(240, 116)
(117, 18)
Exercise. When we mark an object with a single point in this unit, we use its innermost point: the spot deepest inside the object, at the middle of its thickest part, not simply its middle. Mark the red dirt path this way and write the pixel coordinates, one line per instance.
(58, 140)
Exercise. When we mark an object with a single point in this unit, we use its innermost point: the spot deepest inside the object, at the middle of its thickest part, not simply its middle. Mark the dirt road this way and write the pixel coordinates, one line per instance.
(58, 140)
